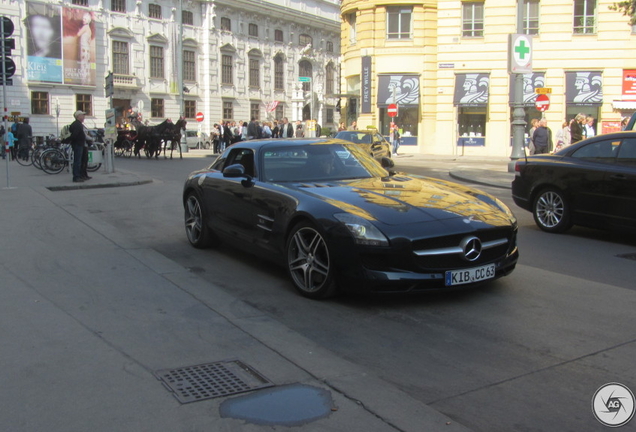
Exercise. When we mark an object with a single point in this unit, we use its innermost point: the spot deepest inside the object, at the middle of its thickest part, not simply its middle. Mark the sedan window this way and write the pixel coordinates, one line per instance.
(599, 151)
(627, 153)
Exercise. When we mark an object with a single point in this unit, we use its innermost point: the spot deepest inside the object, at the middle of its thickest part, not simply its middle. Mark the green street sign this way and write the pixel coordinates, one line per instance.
(304, 79)
(519, 53)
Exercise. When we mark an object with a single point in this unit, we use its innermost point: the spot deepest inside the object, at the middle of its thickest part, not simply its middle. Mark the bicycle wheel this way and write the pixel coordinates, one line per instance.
(93, 167)
(24, 156)
(53, 161)
(35, 157)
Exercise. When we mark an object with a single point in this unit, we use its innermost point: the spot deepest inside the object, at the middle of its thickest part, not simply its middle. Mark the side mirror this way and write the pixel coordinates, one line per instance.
(238, 171)
(386, 163)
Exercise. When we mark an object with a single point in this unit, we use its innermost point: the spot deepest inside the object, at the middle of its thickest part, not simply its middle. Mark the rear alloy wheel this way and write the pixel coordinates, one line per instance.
(198, 232)
(551, 211)
(309, 262)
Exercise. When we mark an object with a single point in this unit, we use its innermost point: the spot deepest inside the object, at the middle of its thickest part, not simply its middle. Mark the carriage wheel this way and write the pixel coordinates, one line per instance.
(127, 148)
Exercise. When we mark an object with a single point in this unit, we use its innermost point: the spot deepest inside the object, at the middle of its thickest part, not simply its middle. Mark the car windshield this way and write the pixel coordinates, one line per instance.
(355, 137)
(318, 162)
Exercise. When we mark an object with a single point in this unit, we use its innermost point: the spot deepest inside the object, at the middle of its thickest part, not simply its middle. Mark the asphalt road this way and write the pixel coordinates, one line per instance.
(524, 353)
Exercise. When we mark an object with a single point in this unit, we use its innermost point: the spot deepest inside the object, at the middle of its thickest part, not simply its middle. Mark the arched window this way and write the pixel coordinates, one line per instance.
(305, 71)
(279, 82)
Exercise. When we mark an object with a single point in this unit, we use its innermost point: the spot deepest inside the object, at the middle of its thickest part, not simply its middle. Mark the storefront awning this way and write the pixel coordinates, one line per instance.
(531, 82)
(402, 89)
(471, 89)
(624, 105)
(584, 88)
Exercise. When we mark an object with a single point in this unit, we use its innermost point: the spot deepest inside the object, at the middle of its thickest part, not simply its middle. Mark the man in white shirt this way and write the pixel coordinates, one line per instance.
(589, 127)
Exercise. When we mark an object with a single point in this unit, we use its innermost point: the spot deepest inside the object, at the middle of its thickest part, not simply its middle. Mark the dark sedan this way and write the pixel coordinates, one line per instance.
(371, 141)
(591, 183)
(335, 218)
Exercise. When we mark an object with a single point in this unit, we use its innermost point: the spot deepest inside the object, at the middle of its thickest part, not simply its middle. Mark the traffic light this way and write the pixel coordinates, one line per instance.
(7, 43)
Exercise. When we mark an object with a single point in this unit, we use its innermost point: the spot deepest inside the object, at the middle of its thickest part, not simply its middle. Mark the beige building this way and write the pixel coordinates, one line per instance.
(445, 65)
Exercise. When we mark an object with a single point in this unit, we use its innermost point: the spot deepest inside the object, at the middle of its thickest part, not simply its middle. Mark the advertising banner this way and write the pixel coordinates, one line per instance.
(402, 90)
(365, 87)
(629, 84)
(78, 46)
(584, 88)
(60, 44)
(44, 43)
(471, 89)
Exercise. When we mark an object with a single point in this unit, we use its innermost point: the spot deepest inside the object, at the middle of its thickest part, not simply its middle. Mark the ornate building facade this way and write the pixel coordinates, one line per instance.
(216, 59)
(444, 64)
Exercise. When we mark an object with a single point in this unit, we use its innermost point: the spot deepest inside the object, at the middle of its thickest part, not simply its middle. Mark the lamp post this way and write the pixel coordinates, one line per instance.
(183, 143)
(57, 116)
(518, 113)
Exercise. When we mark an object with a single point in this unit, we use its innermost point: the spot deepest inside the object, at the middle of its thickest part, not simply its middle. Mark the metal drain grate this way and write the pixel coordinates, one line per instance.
(207, 381)
(631, 256)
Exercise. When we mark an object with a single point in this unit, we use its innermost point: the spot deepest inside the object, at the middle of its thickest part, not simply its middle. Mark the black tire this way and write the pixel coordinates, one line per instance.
(127, 148)
(93, 167)
(551, 211)
(309, 262)
(53, 161)
(198, 233)
(206, 145)
(24, 156)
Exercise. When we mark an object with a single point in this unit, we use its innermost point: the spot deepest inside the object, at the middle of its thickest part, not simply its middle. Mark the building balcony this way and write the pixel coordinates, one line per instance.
(126, 82)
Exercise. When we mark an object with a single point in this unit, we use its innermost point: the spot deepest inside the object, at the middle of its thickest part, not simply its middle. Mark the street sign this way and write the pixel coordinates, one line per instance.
(200, 117)
(7, 26)
(543, 90)
(542, 103)
(109, 85)
(392, 110)
(519, 54)
(9, 67)
(304, 79)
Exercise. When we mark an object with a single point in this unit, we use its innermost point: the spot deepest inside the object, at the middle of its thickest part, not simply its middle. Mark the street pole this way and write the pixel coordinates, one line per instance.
(57, 116)
(518, 113)
(183, 142)
(5, 143)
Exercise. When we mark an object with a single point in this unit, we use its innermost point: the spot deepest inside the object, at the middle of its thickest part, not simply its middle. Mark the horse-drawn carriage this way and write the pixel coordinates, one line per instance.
(151, 139)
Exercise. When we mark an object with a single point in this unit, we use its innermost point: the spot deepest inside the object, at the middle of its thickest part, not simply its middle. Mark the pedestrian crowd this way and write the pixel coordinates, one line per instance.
(577, 129)
(226, 133)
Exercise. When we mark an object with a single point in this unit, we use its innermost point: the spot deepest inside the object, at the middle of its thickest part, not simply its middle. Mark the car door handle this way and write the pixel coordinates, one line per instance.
(618, 177)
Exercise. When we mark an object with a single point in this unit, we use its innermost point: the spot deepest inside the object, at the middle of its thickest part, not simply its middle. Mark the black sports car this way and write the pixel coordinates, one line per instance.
(591, 183)
(370, 140)
(335, 218)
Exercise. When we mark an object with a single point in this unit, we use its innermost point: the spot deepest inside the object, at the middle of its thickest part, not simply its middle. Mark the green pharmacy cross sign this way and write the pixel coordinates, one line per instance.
(519, 54)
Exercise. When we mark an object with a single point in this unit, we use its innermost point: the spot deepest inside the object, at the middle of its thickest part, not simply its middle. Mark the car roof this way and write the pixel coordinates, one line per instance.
(287, 142)
(372, 131)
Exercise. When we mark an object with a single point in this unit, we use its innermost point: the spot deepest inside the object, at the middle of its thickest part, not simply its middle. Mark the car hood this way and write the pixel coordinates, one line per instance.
(403, 199)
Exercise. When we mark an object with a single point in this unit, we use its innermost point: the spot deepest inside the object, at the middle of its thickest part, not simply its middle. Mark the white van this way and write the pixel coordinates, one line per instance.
(197, 140)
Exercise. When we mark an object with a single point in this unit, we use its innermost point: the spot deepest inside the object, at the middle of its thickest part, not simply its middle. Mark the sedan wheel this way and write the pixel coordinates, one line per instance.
(551, 212)
(308, 262)
(197, 231)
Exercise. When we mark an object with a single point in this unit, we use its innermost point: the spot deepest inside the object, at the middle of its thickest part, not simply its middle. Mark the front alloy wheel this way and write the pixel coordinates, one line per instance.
(197, 231)
(308, 262)
(551, 212)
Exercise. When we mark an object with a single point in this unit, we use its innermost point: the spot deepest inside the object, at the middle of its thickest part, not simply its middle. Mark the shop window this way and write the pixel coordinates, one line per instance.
(407, 120)
(472, 121)
(472, 19)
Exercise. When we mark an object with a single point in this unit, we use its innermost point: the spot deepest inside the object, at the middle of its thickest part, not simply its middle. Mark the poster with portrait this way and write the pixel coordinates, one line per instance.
(78, 46)
(44, 43)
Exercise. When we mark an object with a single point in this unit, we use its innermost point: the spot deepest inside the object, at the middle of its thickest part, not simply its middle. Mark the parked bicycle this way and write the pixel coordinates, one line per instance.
(54, 160)
(24, 153)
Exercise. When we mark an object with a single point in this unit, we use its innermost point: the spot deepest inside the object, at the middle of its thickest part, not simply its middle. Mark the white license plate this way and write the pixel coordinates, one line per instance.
(459, 277)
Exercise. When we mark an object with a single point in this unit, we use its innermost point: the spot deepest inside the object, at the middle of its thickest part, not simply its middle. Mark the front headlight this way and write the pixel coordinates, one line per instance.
(363, 231)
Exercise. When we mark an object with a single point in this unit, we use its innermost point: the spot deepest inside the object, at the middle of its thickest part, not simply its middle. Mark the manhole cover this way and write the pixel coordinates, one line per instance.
(631, 256)
(211, 380)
